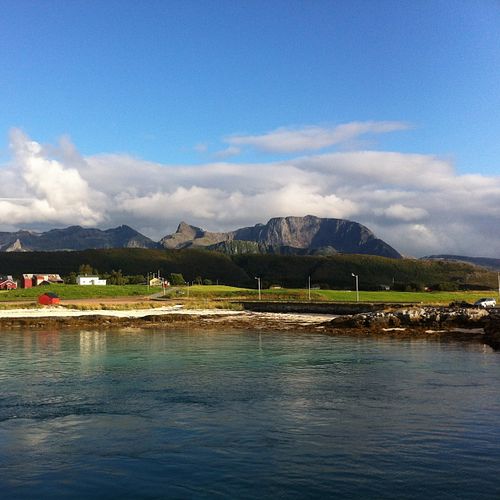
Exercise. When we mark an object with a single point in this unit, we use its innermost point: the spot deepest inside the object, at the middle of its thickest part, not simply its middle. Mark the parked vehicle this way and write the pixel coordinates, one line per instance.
(486, 302)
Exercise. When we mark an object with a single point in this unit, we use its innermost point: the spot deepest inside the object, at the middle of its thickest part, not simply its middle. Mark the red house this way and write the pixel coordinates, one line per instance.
(7, 283)
(30, 280)
(48, 299)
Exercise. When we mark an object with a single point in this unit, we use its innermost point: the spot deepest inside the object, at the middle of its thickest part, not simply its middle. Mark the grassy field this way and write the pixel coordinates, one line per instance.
(213, 292)
(226, 292)
(77, 292)
(390, 296)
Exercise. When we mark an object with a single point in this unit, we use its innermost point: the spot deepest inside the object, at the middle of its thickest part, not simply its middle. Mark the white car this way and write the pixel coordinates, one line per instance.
(486, 302)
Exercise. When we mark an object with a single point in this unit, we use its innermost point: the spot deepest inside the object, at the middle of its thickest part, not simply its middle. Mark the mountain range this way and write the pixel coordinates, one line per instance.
(307, 235)
(487, 262)
(74, 238)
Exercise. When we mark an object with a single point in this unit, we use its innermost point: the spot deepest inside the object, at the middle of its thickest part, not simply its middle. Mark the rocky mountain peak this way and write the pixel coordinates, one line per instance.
(188, 230)
(308, 234)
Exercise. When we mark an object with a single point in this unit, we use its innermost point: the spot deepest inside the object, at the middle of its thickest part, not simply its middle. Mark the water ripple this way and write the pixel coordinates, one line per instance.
(246, 415)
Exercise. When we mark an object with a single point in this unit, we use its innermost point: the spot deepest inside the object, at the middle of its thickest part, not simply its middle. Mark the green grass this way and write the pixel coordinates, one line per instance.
(76, 292)
(230, 292)
(391, 296)
(213, 292)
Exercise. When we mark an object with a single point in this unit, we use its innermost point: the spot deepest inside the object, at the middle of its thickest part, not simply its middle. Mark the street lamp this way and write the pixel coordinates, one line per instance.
(258, 285)
(357, 285)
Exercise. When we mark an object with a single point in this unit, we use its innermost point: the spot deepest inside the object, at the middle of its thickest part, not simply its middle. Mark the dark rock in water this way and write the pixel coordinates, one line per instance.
(426, 316)
(492, 329)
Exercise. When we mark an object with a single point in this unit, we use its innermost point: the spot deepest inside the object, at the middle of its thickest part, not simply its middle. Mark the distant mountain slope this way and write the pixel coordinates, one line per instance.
(187, 236)
(493, 264)
(74, 238)
(289, 235)
(308, 235)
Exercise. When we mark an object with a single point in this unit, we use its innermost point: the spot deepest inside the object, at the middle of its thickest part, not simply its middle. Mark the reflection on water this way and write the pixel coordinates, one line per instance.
(92, 343)
(246, 414)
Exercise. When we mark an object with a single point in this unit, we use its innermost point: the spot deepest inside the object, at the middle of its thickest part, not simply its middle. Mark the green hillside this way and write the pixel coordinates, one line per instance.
(374, 272)
(131, 261)
(240, 270)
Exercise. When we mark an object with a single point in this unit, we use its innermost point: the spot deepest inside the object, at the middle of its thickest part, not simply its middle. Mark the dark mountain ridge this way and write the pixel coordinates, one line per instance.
(307, 235)
(286, 235)
(74, 238)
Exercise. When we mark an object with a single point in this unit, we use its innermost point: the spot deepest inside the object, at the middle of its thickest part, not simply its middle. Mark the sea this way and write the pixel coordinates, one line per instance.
(145, 414)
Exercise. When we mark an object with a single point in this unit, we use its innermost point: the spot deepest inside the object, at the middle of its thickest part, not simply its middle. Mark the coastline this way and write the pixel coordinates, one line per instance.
(175, 317)
(162, 317)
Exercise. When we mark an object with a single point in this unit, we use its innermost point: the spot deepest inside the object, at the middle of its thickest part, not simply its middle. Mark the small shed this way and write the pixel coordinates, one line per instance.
(90, 280)
(48, 299)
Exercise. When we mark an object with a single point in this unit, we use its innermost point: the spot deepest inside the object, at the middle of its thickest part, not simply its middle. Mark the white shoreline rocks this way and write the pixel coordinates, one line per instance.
(453, 322)
(422, 316)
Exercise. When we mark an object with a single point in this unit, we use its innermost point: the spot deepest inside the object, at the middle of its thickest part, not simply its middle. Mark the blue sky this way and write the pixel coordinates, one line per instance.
(155, 78)
(193, 83)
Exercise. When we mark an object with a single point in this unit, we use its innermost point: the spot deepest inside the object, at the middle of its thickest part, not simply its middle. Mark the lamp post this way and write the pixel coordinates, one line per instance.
(258, 285)
(357, 285)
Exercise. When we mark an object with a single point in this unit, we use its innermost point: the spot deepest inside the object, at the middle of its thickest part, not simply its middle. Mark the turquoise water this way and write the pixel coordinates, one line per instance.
(246, 415)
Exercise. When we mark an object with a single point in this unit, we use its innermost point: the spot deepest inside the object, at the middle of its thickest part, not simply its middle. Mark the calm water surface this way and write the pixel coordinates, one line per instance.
(246, 415)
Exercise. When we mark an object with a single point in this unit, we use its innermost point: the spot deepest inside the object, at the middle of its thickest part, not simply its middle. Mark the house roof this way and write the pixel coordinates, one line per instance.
(49, 276)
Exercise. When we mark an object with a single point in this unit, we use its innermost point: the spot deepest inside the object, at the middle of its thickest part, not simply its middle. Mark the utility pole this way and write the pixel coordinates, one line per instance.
(357, 286)
(258, 286)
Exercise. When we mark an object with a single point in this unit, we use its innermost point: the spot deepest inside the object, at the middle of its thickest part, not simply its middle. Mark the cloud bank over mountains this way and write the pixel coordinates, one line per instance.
(417, 203)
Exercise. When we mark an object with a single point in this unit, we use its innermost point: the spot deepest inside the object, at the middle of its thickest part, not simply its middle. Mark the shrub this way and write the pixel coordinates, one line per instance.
(177, 279)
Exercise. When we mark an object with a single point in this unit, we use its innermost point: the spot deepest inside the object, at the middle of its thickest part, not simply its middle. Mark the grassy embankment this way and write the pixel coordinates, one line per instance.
(296, 294)
(220, 295)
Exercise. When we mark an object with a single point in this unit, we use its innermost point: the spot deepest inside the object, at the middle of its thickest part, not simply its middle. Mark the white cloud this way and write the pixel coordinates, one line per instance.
(417, 203)
(403, 213)
(228, 152)
(289, 140)
(53, 192)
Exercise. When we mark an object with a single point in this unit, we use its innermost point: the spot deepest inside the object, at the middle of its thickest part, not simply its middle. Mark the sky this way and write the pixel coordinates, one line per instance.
(227, 113)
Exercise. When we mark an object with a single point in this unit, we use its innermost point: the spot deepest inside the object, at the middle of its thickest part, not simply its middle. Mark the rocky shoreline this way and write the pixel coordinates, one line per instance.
(423, 317)
(459, 323)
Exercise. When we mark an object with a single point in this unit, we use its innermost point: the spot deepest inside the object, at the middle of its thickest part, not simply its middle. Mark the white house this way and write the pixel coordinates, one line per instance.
(155, 282)
(159, 282)
(89, 280)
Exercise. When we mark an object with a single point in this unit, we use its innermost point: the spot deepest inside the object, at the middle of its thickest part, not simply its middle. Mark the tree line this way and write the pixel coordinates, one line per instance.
(130, 266)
